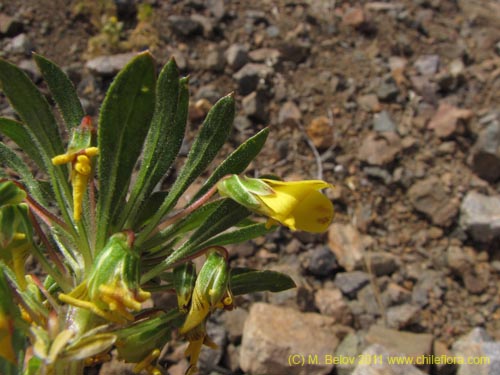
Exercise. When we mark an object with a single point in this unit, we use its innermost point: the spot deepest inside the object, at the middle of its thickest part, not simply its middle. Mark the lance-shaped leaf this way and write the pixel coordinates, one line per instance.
(62, 91)
(165, 135)
(32, 107)
(21, 136)
(228, 213)
(123, 124)
(213, 134)
(240, 235)
(245, 280)
(238, 161)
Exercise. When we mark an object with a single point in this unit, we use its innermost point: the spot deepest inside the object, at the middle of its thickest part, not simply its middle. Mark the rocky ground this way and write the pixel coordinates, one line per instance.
(394, 102)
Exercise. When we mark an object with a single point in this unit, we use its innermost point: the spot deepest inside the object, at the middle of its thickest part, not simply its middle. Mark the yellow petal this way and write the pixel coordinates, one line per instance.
(63, 159)
(314, 213)
(197, 313)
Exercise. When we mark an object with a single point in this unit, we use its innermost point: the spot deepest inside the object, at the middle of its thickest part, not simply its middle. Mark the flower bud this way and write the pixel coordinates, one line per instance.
(184, 281)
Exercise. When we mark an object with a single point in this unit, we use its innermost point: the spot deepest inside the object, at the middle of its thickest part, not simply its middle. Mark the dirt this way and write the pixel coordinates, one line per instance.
(342, 64)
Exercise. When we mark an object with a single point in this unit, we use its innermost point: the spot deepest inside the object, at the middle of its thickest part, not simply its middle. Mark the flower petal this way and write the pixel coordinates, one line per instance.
(314, 213)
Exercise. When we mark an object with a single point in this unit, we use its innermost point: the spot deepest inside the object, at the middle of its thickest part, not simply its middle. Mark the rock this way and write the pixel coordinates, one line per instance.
(381, 263)
(447, 118)
(485, 155)
(271, 334)
(407, 343)
(214, 60)
(9, 26)
(185, 26)
(368, 298)
(376, 362)
(269, 56)
(249, 76)
(234, 322)
(401, 316)
(350, 347)
(459, 260)
(350, 282)
(346, 243)
(322, 262)
(395, 295)
(206, 24)
(479, 216)
(427, 65)
(289, 115)
(477, 346)
(20, 44)
(369, 103)
(232, 358)
(429, 197)
(30, 67)
(379, 148)
(425, 87)
(382, 122)
(353, 17)
(387, 91)
(295, 51)
(320, 131)
(198, 110)
(209, 358)
(476, 279)
(117, 367)
(108, 66)
(330, 302)
(430, 283)
(254, 106)
(236, 56)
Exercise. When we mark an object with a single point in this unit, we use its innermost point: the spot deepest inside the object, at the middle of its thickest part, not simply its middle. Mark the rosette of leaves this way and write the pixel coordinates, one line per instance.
(141, 127)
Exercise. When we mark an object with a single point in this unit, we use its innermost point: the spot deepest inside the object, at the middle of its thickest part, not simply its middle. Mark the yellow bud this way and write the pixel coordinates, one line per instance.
(91, 151)
(62, 159)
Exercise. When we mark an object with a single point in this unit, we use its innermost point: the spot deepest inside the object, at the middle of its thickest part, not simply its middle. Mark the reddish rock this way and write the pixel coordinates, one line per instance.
(346, 243)
(321, 132)
(446, 120)
(380, 148)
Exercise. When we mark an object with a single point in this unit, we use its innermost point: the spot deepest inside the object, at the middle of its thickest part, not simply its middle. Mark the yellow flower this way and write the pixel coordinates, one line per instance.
(298, 205)
(81, 169)
(197, 337)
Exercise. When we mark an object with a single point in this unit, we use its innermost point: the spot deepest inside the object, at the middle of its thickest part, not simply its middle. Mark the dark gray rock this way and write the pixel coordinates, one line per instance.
(387, 91)
(485, 159)
(322, 262)
(236, 56)
(350, 282)
(249, 76)
(381, 263)
(382, 122)
(429, 282)
(185, 26)
(480, 216)
(402, 316)
(255, 106)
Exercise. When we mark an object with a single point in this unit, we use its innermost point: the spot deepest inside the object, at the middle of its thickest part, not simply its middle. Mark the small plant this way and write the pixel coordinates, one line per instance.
(105, 241)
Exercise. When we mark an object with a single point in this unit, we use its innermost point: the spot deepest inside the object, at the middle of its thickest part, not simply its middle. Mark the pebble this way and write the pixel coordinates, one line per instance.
(382, 122)
(271, 334)
(395, 295)
(320, 131)
(234, 322)
(9, 26)
(429, 283)
(381, 263)
(479, 216)
(485, 159)
(295, 51)
(236, 56)
(401, 316)
(369, 103)
(380, 148)
(269, 56)
(350, 282)
(249, 75)
(350, 347)
(322, 262)
(20, 44)
(209, 358)
(108, 66)
(254, 106)
(427, 65)
(430, 198)
(289, 114)
(330, 302)
(458, 260)
(346, 243)
(185, 26)
(354, 17)
(214, 60)
(447, 118)
(387, 91)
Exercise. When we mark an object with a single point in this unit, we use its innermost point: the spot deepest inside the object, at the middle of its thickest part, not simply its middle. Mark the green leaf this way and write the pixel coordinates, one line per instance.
(123, 124)
(240, 235)
(213, 134)
(238, 161)
(13, 161)
(244, 280)
(21, 136)
(227, 214)
(32, 107)
(148, 208)
(62, 91)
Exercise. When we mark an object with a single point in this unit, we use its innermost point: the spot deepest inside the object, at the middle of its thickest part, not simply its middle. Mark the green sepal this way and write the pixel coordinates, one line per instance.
(88, 345)
(212, 281)
(62, 91)
(233, 187)
(246, 280)
(123, 123)
(81, 136)
(184, 278)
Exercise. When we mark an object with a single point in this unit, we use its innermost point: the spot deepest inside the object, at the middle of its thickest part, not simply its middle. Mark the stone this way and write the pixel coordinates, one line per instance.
(209, 358)
(458, 260)
(387, 91)
(206, 24)
(269, 56)
(254, 106)
(380, 148)
(382, 122)
(322, 262)
(447, 118)
(367, 296)
(408, 344)
(395, 295)
(354, 17)
(108, 66)
(401, 316)
(485, 154)
(479, 216)
(289, 114)
(350, 347)
(214, 60)
(350, 282)
(249, 75)
(320, 130)
(430, 198)
(376, 362)
(272, 334)
(185, 26)
(236, 56)
(369, 103)
(476, 279)
(20, 44)
(430, 283)
(477, 345)
(295, 51)
(427, 65)
(346, 243)
(234, 322)
(9, 26)
(381, 263)
(330, 302)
